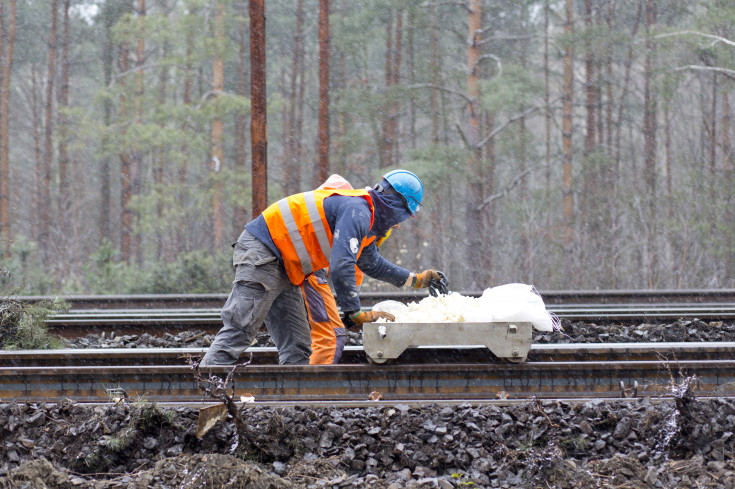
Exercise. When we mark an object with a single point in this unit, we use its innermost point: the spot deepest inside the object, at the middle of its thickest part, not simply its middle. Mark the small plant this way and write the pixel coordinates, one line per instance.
(145, 418)
(23, 326)
(151, 416)
(524, 446)
(462, 480)
(578, 444)
(121, 442)
(90, 464)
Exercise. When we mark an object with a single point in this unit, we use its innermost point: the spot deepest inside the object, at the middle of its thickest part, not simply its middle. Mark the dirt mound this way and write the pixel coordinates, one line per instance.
(678, 444)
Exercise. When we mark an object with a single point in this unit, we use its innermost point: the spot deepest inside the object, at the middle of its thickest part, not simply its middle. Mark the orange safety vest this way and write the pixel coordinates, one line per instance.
(299, 229)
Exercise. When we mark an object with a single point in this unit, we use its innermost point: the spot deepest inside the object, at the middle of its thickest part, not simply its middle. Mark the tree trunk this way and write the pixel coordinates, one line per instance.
(395, 73)
(184, 237)
(588, 213)
(36, 101)
(434, 76)
(136, 162)
(384, 149)
(547, 111)
(477, 251)
(63, 104)
(589, 70)
(727, 159)
(109, 16)
(727, 172)
(241, 122)
(566, 141)
(624, 91)
(126, 189)
(7, 44)
(324, 62)
(525, 243)
(713, 129)
(410, 67)
(667, 160)
(393, 47)
(649, 134)
(489, 217)
(65, 192)
(609, 76)
(292, 166)
(258, 125)
(45, 197)
(165, 249)
(341, 148)
(218, 85)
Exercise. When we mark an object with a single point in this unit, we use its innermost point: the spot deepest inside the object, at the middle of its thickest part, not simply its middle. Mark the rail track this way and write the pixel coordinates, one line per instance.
(572, 371)
(468, 373)
(551, 297)
(156, 314)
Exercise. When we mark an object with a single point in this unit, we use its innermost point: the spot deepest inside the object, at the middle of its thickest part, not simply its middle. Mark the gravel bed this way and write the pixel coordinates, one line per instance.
(684, 443)
(572, 332)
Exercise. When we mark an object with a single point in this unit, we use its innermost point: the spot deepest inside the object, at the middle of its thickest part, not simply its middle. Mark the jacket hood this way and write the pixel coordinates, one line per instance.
(389, 211)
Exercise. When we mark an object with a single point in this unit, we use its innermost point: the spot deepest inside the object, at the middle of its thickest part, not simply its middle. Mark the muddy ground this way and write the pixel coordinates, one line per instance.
(684, 443)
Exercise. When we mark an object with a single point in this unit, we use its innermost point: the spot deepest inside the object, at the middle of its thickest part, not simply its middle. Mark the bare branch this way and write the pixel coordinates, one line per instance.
(510, 121)
(462, 135)
(443, 89)
(505, 38)
(464, 5)
(216, 388)
(506, 190)
(730, 73)
(693, 33)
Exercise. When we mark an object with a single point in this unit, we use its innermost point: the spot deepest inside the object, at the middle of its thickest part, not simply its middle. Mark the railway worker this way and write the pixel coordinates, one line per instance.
(280, 248)
(328, 334)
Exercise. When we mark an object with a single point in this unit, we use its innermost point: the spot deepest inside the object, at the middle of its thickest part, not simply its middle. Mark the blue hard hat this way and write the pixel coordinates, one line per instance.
(409, 186)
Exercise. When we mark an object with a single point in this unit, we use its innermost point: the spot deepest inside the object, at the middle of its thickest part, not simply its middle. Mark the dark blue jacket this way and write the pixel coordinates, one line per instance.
(349, 221)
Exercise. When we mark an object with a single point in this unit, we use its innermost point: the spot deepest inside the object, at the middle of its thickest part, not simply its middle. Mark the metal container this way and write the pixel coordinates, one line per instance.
(386, 341)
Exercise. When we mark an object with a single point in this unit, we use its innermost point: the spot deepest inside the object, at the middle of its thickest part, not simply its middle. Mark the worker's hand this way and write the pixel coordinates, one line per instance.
(362, 317)
(435, 280)
(424, 278)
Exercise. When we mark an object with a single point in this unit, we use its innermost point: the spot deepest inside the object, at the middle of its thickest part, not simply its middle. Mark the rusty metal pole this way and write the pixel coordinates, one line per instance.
(324, 55)
(259, 124)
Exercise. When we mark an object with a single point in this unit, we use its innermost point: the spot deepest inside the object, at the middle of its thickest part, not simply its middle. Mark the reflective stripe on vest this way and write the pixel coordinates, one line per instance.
(293, 230)
(300, 231)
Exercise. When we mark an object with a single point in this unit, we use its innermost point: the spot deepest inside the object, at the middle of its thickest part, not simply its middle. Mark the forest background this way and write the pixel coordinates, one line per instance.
(567, 144)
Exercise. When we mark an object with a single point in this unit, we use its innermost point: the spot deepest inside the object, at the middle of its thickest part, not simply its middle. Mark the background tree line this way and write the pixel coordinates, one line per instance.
(569, 144)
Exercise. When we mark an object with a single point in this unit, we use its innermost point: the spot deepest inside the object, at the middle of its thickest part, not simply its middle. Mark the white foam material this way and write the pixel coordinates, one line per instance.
(505, 303)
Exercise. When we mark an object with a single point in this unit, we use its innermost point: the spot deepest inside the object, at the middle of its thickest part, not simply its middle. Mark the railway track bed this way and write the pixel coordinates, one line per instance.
(444, 419)
(552, 371)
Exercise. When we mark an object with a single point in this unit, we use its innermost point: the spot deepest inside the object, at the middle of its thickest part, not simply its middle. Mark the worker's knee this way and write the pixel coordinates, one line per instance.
(216, 357)
(295, 356)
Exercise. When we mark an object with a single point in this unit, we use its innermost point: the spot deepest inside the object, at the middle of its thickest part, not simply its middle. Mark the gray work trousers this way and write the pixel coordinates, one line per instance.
(261, 293)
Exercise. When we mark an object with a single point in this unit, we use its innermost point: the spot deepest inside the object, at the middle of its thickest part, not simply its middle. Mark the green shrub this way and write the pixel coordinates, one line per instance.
(23, 325)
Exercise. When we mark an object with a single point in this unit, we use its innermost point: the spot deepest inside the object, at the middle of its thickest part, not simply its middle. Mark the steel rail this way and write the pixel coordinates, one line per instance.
(77, 323)
(359, 382)
(567, 352)
(566, 297)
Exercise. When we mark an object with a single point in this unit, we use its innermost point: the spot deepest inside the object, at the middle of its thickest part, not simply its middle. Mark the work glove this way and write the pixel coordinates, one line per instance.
(435, 280)
(361, 317)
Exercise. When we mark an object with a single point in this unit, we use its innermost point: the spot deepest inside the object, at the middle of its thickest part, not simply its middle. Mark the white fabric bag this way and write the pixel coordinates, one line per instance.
(521, 303)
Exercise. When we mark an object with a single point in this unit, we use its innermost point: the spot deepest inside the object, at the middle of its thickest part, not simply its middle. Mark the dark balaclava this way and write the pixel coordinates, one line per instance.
(390, 208)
